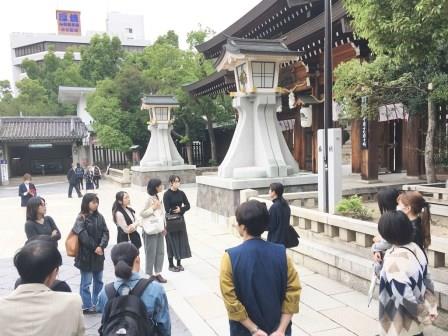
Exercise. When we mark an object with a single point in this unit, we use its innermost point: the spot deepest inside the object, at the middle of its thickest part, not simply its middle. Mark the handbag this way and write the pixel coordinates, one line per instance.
(292, 237)
(175, 223)
(72, 244)
(152, 224)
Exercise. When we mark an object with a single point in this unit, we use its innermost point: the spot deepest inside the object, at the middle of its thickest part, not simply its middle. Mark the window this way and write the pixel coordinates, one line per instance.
(161, 113)
(129, 30)
(242, 77)
(263, 74)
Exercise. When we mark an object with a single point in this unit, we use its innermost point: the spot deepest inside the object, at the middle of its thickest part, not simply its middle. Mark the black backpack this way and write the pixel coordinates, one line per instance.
(127, 314)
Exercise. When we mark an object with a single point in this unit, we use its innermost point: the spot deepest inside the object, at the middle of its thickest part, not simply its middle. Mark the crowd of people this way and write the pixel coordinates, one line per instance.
(77, 175)
(406, 294)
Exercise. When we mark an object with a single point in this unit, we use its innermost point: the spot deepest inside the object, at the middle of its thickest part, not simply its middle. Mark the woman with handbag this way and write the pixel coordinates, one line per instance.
(153, 224)
(176, 204)
(93, 236)
(124, 217)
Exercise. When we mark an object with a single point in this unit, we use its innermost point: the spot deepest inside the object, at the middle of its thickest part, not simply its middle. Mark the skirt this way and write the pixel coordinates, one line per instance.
(177, 245)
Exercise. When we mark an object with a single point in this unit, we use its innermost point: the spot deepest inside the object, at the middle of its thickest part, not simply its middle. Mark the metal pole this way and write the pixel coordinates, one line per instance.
(328, 90)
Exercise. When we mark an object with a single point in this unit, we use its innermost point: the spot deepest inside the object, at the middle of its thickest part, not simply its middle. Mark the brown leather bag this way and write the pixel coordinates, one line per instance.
(72, 244)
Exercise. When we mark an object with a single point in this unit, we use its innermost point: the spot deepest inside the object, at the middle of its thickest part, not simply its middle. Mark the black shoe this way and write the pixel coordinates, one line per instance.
(173, 269)
(180, 268)
(89, 311)
(160, 278)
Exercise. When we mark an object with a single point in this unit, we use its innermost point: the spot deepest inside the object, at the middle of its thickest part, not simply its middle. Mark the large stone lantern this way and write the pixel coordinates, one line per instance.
(258, 154)
(161, 158)
(258, 148)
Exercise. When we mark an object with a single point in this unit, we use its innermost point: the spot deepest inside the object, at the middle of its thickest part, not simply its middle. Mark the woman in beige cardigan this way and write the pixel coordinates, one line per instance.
(153, 224)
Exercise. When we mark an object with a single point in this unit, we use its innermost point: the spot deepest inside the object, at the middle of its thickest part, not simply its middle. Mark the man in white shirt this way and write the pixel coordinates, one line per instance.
(33, 309)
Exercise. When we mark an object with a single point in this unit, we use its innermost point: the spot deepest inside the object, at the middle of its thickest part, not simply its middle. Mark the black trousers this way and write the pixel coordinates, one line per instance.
(96, 181)
(80, 183)
(70, 189)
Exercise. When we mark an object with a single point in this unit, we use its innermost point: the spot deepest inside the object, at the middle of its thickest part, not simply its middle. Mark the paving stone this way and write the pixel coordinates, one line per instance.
(334, 332)
(325, 285)
(208, 306)
(358, 301)
(353, 320)
(312, 321)
(317, 300)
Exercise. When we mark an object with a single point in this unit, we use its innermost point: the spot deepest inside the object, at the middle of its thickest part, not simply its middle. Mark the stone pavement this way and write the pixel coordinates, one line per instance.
(327, 307)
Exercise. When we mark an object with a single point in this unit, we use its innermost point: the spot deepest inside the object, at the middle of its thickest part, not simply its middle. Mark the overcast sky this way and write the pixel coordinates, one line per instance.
(182, 16)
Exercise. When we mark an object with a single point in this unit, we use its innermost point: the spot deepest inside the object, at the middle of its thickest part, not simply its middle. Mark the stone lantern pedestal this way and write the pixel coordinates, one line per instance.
(161, 158)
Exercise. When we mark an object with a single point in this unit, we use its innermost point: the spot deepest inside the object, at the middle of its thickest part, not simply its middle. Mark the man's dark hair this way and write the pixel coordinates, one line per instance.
(32, 206)
(396, 228)
(387, 199)
(152, 186)
(36, 260)
(254, 216)
(277, 188)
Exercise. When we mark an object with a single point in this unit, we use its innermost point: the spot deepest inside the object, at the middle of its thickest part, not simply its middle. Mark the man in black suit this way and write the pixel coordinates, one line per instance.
(73, 182)
(26, 190)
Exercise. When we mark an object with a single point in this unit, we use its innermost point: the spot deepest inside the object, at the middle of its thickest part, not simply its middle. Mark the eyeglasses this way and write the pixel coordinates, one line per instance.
(43, 204)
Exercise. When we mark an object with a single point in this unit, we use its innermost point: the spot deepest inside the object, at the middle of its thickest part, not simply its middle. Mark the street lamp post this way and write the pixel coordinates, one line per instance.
(328, 86)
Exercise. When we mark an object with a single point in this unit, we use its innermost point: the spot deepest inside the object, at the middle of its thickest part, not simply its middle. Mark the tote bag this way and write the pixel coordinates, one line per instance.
(72, 244)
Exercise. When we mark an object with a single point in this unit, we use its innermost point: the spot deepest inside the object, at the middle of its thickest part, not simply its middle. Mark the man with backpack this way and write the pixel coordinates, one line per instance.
(96, 176)
(132, 305)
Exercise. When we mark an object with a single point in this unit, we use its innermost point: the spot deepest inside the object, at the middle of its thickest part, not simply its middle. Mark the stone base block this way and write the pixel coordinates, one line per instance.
(141, 175)
(222, 195)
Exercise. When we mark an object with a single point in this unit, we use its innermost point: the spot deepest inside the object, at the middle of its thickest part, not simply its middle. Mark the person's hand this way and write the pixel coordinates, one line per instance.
(433, 317)
(156, 205)
(376, 239)
(278, 333)
(131, 228)
(164, 232)
(54, 233)
(259, 332)
(177, 210)
(99, 251)
(377, 257)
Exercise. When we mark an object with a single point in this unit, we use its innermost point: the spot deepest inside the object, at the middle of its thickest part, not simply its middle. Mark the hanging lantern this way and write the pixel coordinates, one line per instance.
(306, 116)
(292, 100)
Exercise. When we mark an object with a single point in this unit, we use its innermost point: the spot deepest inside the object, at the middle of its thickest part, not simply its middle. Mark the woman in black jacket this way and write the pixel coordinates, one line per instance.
(93, 234)
(279, 215)
(37, 223)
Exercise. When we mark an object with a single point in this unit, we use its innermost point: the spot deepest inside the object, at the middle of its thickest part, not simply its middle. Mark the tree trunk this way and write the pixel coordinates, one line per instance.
(211, 135)
(188, 144)
(429, 145)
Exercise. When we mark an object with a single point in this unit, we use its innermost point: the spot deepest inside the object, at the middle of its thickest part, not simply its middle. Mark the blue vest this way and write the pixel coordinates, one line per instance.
(260, 276)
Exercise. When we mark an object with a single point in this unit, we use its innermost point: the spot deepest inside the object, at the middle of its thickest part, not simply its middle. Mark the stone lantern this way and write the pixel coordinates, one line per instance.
(161, 158)
(258, 148)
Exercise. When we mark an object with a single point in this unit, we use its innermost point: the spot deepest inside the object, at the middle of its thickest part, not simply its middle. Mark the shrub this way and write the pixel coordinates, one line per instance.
(353, 207)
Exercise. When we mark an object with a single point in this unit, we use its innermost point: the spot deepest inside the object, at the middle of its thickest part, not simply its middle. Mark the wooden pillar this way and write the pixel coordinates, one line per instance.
(299, 143)
(356, 146)
(369, 166)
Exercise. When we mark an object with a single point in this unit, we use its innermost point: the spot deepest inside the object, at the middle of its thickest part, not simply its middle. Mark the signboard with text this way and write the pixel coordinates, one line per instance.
(69, 22)
(364, 133)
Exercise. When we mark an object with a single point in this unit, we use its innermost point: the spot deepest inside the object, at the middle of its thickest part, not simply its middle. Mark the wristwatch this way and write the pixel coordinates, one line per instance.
(253, 331)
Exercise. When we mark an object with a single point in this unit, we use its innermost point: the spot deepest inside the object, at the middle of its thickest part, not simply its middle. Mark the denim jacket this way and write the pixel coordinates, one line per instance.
(154, 298)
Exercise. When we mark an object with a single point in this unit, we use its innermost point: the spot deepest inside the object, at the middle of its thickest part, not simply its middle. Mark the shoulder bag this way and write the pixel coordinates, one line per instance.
(175, 223)
(292, 237)
(72, 244)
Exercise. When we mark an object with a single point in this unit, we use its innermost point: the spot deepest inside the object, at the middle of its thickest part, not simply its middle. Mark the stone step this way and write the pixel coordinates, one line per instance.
(351, 269)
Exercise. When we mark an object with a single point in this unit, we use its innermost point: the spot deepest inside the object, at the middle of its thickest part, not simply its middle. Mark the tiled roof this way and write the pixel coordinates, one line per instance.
(41, 128)
(159, 100)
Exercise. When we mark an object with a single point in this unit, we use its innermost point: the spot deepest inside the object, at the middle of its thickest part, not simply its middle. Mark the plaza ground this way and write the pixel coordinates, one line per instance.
(327, 307)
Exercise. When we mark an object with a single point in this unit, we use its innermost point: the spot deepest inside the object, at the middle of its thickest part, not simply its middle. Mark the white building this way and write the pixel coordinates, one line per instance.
(34, 46)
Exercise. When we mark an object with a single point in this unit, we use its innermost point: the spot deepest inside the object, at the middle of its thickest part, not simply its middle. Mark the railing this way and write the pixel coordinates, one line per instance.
(346, 229)
(120, 176)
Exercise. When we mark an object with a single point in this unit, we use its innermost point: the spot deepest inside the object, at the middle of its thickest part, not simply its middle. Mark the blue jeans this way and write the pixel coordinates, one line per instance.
(89, 300)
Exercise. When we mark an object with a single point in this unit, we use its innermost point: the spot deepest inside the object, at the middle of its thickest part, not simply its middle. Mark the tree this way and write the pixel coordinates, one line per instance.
(170, 38)
(102, 58)
(33, 99)
(412, 36)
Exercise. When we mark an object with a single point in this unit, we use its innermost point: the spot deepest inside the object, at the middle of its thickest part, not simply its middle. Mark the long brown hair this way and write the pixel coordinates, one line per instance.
(419, 207)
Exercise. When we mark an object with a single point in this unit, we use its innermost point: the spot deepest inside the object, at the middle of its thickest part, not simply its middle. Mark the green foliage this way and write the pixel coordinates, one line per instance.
(112, 138)
(102, 58)
(170, 38)
(353, 207)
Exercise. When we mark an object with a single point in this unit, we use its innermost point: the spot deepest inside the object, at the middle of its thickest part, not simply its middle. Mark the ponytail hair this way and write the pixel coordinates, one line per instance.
(123, 256)
(118, 198)
(426, 224)
(419, 207)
